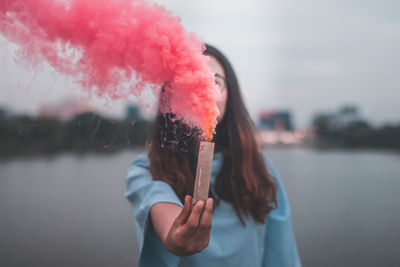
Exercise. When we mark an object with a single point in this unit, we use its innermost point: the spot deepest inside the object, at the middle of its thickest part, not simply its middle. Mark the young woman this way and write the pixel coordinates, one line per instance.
(245, 222)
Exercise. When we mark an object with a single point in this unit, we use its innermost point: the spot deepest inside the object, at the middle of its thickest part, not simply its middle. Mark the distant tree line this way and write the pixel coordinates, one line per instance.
(356, 134)
(29, 135)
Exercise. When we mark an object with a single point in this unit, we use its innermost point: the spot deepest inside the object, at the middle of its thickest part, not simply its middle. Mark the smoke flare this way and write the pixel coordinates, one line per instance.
(113, 48)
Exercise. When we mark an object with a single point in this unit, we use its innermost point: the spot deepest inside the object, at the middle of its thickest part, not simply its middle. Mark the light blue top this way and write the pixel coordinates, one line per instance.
(270, 244)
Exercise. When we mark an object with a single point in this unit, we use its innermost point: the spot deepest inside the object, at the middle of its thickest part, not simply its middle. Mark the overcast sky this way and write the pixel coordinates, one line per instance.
(305, 56)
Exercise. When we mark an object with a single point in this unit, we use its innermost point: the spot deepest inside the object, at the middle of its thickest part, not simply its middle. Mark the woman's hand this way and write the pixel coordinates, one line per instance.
(190, 231)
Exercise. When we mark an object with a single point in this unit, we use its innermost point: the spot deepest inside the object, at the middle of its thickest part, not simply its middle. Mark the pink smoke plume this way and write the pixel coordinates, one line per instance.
(114, 48)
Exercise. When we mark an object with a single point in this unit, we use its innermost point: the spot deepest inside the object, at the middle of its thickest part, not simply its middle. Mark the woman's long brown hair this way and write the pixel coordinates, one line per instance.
(243, 179)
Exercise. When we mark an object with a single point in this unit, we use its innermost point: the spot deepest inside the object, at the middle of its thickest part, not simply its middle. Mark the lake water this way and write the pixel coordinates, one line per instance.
(71, 211)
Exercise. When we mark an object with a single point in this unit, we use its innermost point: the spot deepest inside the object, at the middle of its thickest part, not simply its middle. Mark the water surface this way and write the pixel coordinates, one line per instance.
(71, 210)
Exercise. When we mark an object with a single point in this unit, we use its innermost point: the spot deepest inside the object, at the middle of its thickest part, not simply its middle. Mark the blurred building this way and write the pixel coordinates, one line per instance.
(343, 117)
(132, 113)
(347, 115)
(276, 128)
(276, 120)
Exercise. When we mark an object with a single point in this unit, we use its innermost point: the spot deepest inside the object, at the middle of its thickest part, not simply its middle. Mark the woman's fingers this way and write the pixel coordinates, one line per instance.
(193, 221)
(206, 217)
(185, 212)
(191, 230)
(202, 235)
(206, 221)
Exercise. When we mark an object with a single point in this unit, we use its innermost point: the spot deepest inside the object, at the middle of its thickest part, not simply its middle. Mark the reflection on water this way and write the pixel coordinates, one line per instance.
(71, 211)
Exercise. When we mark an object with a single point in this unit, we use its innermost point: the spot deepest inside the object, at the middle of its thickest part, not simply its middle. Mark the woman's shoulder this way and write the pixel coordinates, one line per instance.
(283, 202)
(269, 164)
(141, 160)
(138, 172)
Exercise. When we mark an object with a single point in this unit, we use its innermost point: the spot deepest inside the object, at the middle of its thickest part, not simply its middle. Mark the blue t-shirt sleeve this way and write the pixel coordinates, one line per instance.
(142, 193)
(280, 248)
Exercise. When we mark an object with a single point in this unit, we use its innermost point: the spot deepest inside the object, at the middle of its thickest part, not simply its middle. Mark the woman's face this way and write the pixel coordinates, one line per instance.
(221, 85)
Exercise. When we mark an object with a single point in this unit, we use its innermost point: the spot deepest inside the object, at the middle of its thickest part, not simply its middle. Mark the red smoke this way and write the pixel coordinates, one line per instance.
(114, 48)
